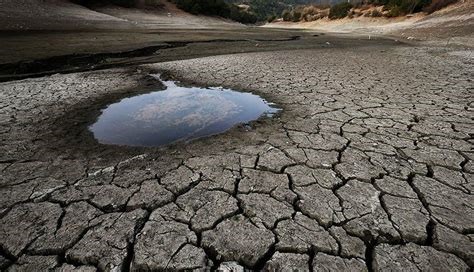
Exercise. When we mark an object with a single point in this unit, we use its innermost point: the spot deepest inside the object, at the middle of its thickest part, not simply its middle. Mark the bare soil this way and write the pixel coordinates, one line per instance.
(369, 166)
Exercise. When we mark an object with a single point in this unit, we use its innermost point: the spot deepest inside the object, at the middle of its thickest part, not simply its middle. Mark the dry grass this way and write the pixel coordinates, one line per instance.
(313, 12)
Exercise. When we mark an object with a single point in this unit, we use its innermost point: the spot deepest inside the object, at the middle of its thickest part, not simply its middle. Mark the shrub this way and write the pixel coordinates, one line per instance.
(376, 13)
(395, 11)
(313, 12)
(402, 7)
(295, 16)
(271, 18)
(286, 15)
(437, 5)
(340, 10)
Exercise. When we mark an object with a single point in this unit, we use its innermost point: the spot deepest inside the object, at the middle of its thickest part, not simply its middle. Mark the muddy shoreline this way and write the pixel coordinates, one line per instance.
(168, 50)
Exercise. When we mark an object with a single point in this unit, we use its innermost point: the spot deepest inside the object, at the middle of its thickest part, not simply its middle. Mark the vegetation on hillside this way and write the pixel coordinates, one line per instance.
(291, 10)
(437, 5)
(217, 8)
(370, 8)
(340, 10)
(123, 3)
(206, 7)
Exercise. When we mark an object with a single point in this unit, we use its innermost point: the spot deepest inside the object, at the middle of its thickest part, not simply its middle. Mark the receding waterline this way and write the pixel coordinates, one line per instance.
(177, 114)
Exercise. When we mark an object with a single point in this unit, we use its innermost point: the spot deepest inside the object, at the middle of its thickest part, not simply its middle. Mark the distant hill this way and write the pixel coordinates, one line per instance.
(267, 8)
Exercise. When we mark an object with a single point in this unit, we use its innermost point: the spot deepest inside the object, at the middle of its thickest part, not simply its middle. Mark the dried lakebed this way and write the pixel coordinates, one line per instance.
(368, 168)
(177, 114)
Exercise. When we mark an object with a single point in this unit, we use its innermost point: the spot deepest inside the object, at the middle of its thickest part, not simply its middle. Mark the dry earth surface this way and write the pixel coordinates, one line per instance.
(369, 167)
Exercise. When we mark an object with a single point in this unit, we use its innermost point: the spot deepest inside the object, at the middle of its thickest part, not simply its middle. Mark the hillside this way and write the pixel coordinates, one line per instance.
(453, 24)
(64, 15)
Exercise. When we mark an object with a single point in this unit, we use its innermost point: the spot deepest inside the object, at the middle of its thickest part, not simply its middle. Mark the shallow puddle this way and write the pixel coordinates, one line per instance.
(177, 114)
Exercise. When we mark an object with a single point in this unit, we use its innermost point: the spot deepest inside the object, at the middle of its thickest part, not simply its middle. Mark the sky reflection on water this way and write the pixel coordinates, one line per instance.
(177, 114)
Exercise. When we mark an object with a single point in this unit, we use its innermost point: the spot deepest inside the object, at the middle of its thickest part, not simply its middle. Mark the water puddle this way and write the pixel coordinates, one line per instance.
(177, 114)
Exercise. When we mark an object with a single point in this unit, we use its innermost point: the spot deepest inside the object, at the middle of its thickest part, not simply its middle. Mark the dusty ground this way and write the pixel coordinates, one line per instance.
(63, 15)
(369, 167)
(57, 36)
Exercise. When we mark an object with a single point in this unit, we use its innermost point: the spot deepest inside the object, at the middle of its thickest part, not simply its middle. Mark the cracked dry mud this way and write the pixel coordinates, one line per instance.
(368, 168)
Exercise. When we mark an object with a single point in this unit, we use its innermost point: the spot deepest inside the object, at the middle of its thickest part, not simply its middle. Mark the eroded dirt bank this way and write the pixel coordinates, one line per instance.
(368, 168)
(450, 26)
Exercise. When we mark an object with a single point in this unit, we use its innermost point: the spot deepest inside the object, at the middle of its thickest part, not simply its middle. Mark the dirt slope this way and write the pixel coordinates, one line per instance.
(167, 16)
(453, 25)
(53, 15)
(64, 15)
